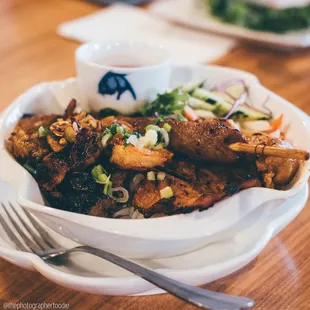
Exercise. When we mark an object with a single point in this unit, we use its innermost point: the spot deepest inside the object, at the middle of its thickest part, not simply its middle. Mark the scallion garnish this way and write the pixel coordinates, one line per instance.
(166, 192)
(151, 176)
(167, 127)
(43, 131)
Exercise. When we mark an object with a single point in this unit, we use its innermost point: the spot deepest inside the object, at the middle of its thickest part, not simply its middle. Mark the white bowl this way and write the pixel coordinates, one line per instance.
(160, 237)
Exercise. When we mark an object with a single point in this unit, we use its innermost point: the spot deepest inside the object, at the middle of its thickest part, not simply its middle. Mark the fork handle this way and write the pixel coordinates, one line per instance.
(199, 297)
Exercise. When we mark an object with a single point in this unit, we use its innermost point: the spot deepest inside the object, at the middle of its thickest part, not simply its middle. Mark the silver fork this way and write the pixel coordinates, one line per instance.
(38, 241)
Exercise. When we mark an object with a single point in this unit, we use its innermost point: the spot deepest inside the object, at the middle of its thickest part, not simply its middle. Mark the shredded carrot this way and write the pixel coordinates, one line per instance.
(190, 114)
(276, 124)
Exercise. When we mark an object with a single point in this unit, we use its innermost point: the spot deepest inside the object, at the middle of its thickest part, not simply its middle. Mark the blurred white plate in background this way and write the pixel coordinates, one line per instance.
(190, 13)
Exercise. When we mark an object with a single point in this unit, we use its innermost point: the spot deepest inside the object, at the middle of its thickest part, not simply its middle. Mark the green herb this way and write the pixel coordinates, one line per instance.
(108, 112)
(166, 104)
(259, 17)
(159, 120)
(115, 129)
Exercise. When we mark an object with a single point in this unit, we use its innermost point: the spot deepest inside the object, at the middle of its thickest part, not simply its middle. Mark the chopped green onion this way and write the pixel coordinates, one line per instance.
(161, 176)
(133, 139)
(108, 187)
(151, 137)
(43, 131)
(96, 171)
(102, 178)
(166, 192)
(99, 174)
(120, 129)
(105, 139)
(151, 176)
(167, 127)
(152, 127)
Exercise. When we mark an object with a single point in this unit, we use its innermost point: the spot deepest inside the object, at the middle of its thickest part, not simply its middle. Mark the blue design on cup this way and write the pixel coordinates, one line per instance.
(115, 83)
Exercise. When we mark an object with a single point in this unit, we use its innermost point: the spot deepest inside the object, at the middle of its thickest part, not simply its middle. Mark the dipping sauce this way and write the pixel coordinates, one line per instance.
(121, 60)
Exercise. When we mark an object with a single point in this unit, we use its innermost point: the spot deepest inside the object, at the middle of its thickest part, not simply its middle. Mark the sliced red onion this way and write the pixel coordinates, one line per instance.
(264, 105)
(137, 215)
(122, 190)
(255, 109)
(137, 179)
(229, 95)
(223, 87)
(122, 212)
(240, 100)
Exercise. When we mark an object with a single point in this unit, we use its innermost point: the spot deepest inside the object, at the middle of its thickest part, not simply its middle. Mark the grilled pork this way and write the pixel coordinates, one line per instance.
(208, 185)
(129, 157)
(206, 141)
(277, 172)
(24, 142)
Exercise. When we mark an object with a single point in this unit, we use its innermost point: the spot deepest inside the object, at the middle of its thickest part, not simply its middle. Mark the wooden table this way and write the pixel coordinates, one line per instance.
(31, 52)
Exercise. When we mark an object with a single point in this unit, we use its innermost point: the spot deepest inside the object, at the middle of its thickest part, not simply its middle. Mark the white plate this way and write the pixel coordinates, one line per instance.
(93, 275)
(160, 237)
(190, 13)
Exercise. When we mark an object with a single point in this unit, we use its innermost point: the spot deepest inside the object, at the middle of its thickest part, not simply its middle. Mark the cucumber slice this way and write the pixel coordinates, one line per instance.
(245, 112)
(205, 114)
(206, 96)
(221, 106)
(190, 87)
(198, 104)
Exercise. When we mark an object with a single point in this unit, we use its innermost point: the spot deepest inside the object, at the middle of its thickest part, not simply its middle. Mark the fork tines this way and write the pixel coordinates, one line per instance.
(28, 235)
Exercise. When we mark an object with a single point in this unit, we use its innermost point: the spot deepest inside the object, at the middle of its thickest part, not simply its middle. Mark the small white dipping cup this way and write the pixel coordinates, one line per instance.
(121, 75)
